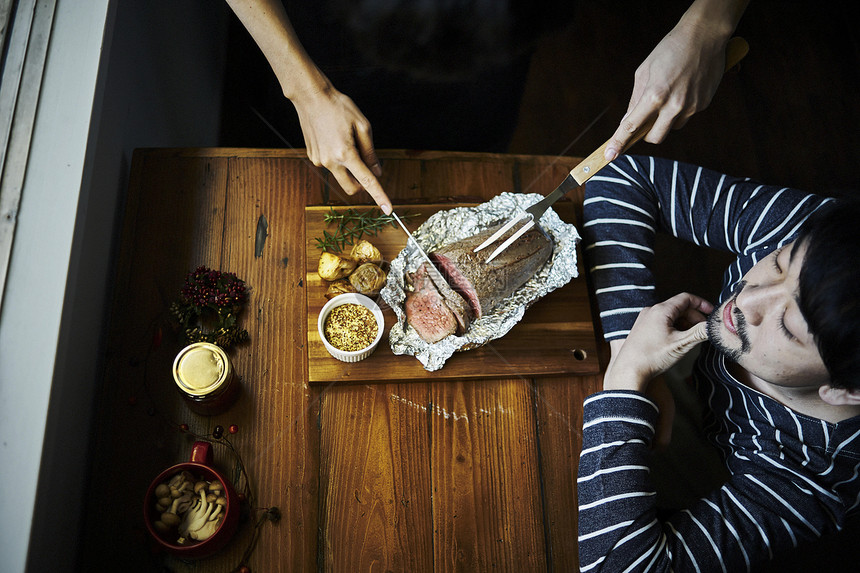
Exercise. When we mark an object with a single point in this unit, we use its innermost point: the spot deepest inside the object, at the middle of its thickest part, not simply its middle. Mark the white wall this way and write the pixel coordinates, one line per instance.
(120, 74)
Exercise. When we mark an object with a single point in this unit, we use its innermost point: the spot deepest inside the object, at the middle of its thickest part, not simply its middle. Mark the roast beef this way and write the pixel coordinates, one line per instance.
(486, 285)
(433, 309)
(436, 311)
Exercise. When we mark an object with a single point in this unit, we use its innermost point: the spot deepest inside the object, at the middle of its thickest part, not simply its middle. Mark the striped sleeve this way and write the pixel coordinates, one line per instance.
(633, 198)
(735, 528)
(616, 504)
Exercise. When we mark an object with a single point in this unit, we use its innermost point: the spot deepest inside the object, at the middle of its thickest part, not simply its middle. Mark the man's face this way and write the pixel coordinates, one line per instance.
(761, 327)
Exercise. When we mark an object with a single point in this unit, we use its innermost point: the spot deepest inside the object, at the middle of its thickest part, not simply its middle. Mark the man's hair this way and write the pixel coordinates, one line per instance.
(829, 284)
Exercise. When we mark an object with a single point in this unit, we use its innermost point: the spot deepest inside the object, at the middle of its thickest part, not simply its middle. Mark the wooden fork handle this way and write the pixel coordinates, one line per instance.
(736, 49)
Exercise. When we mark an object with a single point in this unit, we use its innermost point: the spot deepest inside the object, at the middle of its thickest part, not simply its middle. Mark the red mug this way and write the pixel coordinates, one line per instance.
(200, 466)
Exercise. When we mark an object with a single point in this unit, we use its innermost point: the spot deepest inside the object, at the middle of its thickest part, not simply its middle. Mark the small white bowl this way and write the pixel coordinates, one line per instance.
(351, 298)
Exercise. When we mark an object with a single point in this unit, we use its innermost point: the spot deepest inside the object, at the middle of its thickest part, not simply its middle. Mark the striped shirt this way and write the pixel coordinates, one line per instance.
(793, 477)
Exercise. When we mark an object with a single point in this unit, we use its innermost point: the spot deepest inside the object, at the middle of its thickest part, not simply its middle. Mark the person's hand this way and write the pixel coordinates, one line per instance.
(678, 79)
(337, 135)
(339, 138)
(661, 336)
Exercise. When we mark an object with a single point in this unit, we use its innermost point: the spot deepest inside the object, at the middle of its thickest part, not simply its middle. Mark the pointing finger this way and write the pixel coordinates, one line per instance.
(368, 180)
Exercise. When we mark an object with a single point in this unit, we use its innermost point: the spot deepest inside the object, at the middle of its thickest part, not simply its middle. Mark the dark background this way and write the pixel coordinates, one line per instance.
(790, 115)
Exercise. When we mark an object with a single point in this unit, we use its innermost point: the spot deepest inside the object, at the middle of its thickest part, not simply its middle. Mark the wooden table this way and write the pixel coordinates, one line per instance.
(420, 474)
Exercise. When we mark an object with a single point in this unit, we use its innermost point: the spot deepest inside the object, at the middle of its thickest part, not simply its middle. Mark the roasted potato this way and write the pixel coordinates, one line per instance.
(368, 279)
(364, 252)
(340, 286)
(332, 267)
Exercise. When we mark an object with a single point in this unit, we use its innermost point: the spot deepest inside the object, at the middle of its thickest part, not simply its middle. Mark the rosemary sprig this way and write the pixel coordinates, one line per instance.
(351, 225)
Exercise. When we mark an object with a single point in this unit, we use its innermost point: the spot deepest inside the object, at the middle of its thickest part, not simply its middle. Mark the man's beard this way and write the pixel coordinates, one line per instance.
(715, 336)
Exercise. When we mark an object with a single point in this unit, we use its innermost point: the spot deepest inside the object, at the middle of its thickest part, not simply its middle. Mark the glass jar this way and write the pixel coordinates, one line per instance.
(205, 378)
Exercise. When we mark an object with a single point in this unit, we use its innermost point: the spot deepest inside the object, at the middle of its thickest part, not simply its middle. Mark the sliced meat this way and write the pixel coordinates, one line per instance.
(454, 301)
(435, 312)
(486, 285)
(470, 287)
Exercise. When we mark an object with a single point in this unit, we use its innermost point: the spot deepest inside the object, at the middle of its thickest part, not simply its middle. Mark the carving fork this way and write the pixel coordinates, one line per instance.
(736, 49)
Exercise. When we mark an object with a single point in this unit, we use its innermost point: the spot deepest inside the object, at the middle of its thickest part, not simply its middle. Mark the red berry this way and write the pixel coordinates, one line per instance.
(244, 569)
(233, 428)
(183, 427)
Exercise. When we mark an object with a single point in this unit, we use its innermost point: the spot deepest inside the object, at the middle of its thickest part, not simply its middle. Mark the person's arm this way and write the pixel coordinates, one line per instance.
(737, 527)
(337, 135)
(634, 197)
(682, 73)
(734, 528)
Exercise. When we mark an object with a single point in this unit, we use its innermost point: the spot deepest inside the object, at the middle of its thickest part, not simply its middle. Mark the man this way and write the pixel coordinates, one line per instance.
(777, 373)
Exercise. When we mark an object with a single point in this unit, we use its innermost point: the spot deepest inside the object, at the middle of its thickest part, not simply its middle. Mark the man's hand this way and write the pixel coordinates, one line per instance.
(338, 137)
(681, 75)
(661, 336)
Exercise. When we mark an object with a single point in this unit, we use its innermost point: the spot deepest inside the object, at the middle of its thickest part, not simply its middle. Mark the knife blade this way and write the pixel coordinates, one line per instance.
(431, 268)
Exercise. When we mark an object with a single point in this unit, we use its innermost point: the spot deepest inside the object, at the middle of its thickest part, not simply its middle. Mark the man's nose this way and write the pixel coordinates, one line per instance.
(755, 301)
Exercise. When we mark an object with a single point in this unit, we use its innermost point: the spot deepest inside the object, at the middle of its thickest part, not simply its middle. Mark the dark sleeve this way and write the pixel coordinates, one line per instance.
(743, 523)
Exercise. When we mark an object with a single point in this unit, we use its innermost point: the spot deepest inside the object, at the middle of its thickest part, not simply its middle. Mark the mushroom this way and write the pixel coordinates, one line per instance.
(182, 503)
(190, 506)
(216, 512)
(163, 490)
(196, 517)
(161, 527)
(206, 531)
(176, 481)
(170, 519)
(170, 516)
(210, 527)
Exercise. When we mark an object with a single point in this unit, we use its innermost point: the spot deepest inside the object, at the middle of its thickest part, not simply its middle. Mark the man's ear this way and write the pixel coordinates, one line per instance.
(839, 396)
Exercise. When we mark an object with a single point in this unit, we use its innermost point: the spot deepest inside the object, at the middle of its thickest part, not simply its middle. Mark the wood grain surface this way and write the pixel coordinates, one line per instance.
(439, 473)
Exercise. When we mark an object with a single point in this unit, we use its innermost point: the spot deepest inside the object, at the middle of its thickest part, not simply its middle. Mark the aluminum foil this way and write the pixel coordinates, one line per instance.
(453, 225)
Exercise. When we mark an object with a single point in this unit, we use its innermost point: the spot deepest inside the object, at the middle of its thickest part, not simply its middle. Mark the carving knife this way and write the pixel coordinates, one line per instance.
(431, 268)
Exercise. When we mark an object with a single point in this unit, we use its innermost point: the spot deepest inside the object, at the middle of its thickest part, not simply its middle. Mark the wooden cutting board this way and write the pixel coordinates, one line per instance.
(556, 335)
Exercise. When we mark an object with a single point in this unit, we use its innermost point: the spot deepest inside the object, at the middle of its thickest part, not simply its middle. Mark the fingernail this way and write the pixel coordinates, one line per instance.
(386, 209)
(377, 169)
(610, 154)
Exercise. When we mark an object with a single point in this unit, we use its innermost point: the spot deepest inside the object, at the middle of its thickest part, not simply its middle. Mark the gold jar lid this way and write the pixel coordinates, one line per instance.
(200, 369)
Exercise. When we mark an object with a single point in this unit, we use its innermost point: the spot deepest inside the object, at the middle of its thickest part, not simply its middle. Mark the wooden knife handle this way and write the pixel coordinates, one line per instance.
(736, 49)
